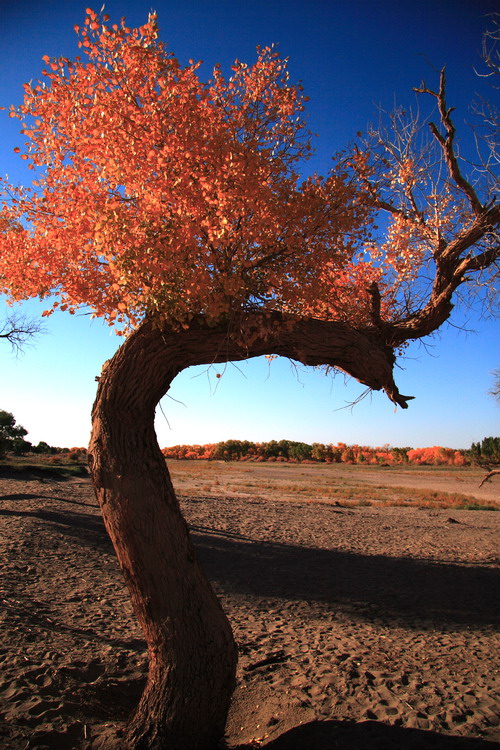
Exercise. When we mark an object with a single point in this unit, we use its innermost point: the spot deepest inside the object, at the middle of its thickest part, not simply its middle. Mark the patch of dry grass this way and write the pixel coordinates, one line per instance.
(320, 483)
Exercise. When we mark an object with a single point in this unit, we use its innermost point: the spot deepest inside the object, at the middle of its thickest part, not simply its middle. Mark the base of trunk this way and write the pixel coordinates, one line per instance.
(175, 716)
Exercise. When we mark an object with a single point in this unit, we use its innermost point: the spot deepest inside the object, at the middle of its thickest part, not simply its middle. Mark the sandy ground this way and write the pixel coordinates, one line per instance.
(363, 628)
(328, 482)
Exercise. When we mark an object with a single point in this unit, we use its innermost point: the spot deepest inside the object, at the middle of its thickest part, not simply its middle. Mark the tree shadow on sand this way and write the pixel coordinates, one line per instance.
(369, 735)
(86, 528)
(414, 592)
(56, 498)
(389, 590)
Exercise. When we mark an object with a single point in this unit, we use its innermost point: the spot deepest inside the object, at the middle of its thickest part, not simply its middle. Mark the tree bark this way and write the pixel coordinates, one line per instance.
(192, 654)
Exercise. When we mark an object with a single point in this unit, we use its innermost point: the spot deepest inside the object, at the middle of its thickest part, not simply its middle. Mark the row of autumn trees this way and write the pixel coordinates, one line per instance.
(294, 452)
(12, 440)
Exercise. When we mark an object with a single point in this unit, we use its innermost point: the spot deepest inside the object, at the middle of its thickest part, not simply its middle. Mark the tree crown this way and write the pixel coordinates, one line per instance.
(11, 434)
(156, 193)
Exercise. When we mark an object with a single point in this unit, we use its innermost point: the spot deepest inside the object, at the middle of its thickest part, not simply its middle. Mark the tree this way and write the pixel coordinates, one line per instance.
(18, 330)
(495, 389)
(12, 435)
(318, 452)
(43, 447)
(300, 451)
(173, 208)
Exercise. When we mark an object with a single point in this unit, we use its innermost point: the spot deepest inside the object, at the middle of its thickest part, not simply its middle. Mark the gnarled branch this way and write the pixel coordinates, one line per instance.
(447, 142)
(488, 476)
(451, 250)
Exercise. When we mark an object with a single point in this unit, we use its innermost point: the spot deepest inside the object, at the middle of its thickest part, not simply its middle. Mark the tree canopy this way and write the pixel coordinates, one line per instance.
(158, 194)
(12, 435)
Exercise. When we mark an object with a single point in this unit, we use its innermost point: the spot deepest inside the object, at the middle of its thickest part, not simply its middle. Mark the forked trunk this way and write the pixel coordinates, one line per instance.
(192, 654)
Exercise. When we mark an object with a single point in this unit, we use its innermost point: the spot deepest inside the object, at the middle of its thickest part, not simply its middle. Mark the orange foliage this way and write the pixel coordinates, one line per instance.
(434, 456)
(341, 453)
(155, 192)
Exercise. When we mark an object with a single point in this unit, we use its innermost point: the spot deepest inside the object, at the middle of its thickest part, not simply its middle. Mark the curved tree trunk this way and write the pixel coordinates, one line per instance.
(191, 649)
(192, 655)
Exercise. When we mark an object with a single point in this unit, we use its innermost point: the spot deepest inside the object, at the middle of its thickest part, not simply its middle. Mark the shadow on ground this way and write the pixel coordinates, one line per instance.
(369, 735)
(418, 593)
(57, 498)
(415, 592)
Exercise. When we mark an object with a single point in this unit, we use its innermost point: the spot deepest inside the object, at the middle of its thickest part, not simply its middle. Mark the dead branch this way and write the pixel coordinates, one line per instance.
(447, 143)
(20, 330)
(489, 475)
(473, 225)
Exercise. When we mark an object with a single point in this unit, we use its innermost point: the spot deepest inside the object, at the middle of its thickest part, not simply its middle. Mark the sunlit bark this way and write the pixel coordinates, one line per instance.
(191, 650)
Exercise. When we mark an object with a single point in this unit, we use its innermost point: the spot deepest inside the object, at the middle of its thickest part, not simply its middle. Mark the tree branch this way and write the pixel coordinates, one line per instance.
(453, 257)
(486, 222)
(19, 330)
(447, 143)
(488, 476)
(364, 356)
(375, 304)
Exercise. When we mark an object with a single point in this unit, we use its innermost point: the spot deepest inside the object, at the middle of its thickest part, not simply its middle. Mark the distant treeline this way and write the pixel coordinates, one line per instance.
(13, 441)
(290, 451)
(487, 450)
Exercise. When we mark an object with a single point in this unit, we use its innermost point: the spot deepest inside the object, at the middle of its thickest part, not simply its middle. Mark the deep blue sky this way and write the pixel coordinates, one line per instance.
(351, 57)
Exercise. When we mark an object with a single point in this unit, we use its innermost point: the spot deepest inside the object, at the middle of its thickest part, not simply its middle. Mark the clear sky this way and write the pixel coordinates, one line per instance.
(351, 57)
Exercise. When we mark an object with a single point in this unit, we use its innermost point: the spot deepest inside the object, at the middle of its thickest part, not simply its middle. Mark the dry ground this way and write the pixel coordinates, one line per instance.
(366, 628)
(341, 483)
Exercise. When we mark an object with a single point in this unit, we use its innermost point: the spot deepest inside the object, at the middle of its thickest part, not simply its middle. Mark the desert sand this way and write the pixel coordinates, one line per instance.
(358, 628)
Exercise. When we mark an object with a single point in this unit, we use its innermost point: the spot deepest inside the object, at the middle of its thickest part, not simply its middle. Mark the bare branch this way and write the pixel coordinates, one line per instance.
(491, 53)
(485, 224)
(20, 330)
(488, 476)
(441, 233)
(447, 143)
(495, 389)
